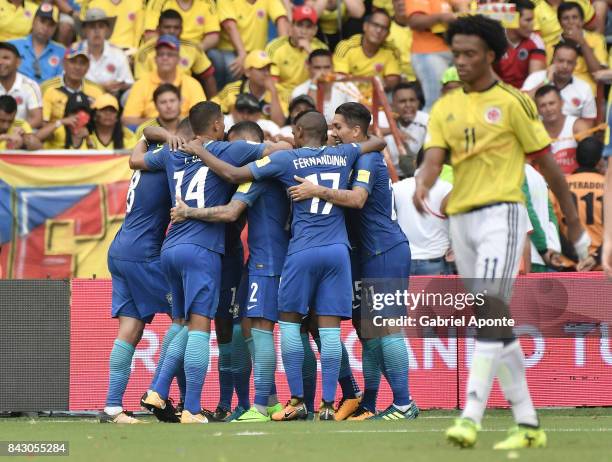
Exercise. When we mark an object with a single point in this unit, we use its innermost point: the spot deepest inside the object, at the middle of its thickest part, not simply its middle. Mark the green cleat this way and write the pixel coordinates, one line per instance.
(393, 413)
(252, 415)
(273, 409)
(521, 437)
(463, 433)
(238, 411)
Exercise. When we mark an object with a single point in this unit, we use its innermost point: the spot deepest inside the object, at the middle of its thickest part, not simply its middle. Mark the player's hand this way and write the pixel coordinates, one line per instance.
(587, 264)
(176, 143)
(304, 44)
(180, 212)
(419, 199)
(304, 190)
(552, 259)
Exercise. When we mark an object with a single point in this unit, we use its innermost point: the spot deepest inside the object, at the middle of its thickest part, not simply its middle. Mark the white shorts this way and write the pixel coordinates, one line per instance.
(488, 245)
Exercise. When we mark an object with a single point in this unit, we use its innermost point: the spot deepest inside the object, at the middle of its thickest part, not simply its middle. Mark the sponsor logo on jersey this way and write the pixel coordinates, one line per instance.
(523, 54)
(261, 14)
(493, 115)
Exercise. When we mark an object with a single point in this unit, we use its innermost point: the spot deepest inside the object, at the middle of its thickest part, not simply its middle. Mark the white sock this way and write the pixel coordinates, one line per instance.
(402, 408)
(113, 410)
(484, 366)
(511, 374)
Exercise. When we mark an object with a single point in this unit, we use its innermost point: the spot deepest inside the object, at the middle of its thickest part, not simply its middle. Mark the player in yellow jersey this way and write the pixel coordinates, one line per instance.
(488, 127)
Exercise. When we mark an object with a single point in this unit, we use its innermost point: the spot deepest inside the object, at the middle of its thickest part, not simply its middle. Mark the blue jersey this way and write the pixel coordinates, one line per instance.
(268, 216)
(379, 228)
(147, 216)
(200, 187)
(315, 222)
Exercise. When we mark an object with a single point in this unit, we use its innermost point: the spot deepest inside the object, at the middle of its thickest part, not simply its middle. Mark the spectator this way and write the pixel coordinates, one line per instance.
(57, 90)
(16, 18)
(108, 65)
(258, 82)
(548, 24)
(400, 37)
(525, 54)
(450, 80)
(15, 133)
(41, 58)
(247, 108)
(587, 186)
(544, 239)
(167, 100)
(71, 130)
(244, 28)
(106, 131)
(407, 102)
(428, 20)
(367, 54)
(577, 96)
(320, 68)
(428, 234)
(199, 18)
(25, 91)
(193, 61)
(128, 29)
(593, 50)
(327, 11)
(561, 128)
(297, 105)
(289, 54)
(140, 106)
(69, 15)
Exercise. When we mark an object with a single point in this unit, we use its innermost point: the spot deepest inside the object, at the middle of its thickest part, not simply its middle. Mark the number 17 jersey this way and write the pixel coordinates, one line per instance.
(315, 222)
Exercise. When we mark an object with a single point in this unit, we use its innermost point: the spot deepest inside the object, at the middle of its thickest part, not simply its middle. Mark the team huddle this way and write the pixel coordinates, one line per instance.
(321, 220)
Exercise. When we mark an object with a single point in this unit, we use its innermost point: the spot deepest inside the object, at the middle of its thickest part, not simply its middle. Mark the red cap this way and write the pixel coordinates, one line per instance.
(304, 12)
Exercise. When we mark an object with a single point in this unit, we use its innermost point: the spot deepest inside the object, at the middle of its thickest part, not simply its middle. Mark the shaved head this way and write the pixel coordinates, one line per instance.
(313, 125)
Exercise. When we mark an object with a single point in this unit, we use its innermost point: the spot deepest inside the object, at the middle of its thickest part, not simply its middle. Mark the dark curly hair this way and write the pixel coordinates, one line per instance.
(490, 31)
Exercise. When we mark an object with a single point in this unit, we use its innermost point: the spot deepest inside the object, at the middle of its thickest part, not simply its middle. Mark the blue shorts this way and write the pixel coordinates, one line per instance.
(231, 273)
(317, 278)
(261, 299)
(140, 289)
(194, 275)
(356, 277)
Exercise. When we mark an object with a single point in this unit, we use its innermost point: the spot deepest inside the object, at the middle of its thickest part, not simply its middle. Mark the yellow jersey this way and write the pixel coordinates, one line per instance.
(547, 24)
(251, 20)
(54, 100)
(289, 62)
(226, 98)
(199, 19)
(192, 60)
(328, 21)
(142, 126)
(386, 5)
(350, 59)
(16, 21)
(488, 134)
(400, 37)
(17, 123)
(130, 19)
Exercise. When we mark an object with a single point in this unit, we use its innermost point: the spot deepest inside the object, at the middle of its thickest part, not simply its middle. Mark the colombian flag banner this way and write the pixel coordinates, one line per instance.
(59, 213)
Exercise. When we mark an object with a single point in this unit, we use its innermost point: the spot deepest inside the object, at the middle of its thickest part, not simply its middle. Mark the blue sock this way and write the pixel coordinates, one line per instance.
(172, 363)
(264, 364)
(371, 374)
(226, 378)
(309, 373)
(120, 363)
(292, 352)
(350, 388)
(196, 366)
(181, 381)
(241, 367)
(395, 361)
(170, 333)
(331, 356)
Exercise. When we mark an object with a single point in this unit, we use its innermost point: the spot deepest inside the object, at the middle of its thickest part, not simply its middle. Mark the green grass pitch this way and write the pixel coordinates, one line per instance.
(583, 435)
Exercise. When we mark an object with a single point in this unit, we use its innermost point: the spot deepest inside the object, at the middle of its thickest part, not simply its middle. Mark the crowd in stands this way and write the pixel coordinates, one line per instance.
(92, 74)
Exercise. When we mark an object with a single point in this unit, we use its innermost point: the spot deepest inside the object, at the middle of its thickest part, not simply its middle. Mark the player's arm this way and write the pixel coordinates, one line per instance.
(161, 135)
(137, 161)
(277, 146)
(227, 172)
(351, 198)
(372, 144)
(224, 213)
(428, 174)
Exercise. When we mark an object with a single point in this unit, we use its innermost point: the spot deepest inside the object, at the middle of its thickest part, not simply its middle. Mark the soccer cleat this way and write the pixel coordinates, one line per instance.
(143, 405)
(295, 409)
(252, 415)
(274, 409)
(393, 413)
(179, 408)
(163, 410)
(463, 433)
(311, 417)
(121, 418)
(217, 416)
(520, 437)
(189, 418)
(327, 412)
(238, 411)
(346, 407)
(360, 414)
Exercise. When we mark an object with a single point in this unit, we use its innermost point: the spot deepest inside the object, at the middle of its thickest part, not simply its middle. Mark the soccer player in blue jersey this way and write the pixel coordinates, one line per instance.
(139, 287)
(268, 213)
(316, 271)
(191, 253)
(385, 253)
